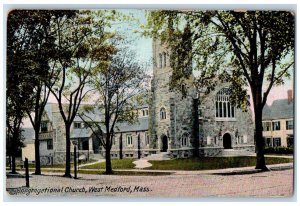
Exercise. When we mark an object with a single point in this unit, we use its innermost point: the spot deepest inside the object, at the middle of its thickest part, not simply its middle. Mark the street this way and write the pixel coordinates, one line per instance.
(179, 184)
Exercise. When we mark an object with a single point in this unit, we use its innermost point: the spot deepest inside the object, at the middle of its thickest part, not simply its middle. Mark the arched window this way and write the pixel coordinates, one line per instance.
(163, 114)
(184, 140)
(223, 107)
(160, 60)
(165, 59)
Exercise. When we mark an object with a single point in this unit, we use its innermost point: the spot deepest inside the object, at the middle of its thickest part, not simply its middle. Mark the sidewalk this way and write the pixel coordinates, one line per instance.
(91, 163)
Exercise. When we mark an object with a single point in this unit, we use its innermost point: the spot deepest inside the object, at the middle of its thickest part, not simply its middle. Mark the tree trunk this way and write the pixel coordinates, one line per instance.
(37, 153)
(121, 146)
(68, 153)
(13, 164)
(258, 137)
(13, 154)
(195, 131)
(108, 160)
(139, 146)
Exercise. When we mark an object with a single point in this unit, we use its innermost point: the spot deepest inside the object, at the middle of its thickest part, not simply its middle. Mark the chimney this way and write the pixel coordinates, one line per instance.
(290, 96)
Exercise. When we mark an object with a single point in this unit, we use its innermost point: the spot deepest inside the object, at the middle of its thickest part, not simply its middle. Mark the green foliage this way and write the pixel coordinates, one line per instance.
(244, 48)
(27, 53)
(116, 164)
(279, 150)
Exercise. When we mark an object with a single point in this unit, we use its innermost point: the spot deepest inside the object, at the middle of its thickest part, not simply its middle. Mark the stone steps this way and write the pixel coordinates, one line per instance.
(97, 156)
(159, 156)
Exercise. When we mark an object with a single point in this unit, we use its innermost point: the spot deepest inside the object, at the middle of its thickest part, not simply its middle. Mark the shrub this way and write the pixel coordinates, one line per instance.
(279, 150)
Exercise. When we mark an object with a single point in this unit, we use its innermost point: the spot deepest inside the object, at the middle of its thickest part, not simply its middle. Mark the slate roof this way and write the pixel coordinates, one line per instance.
(141, 125)
(280, 109)
(95, 116)
(84, 132)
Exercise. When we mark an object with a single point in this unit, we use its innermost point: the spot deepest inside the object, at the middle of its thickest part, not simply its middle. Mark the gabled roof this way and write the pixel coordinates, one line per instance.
(48, 110)
(280, 109)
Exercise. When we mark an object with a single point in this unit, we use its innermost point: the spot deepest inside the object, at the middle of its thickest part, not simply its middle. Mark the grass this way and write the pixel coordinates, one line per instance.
(209, 163)
(31, 165)
(102, 172)
(116, 164)
(127, 173)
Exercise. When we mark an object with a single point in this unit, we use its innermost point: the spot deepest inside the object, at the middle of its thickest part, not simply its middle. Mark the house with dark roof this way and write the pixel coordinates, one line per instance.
(278, 122)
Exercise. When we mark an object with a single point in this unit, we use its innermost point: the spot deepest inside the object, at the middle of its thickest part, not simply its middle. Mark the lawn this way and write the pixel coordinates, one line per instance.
(209, 163)
(126, 173)
(116, 164)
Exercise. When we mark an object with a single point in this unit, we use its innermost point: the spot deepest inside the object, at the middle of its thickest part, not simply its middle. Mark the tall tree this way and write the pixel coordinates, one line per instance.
(42, 50)
(245, 48)
(80, 41)
(119, 86)
(20, 70)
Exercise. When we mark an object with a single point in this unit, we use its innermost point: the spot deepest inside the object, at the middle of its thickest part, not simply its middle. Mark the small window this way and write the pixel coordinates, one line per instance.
(183, 89)
(163, 114)
(289, 124)
(266, 126)
(276, 125)
(49, 144)
(160, 60)
(184, 140)
(268, 142)
(290, 141)
(77, 125)
(145, 112)
(165, 59)
(147, 138)
(44, 127)
(129, 139)
(277, 142)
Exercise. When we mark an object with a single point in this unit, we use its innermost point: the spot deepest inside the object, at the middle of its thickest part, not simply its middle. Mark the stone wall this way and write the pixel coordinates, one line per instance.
(241, 128)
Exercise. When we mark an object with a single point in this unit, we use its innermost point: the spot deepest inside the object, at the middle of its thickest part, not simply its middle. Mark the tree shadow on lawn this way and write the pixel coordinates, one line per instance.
(254, 171)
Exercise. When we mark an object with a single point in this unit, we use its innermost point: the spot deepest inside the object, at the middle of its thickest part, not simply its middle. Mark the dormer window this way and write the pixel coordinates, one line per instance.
(44, 127)
(77, 125)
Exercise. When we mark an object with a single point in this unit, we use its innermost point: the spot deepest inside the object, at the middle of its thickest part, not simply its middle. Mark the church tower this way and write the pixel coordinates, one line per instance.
(170, 118)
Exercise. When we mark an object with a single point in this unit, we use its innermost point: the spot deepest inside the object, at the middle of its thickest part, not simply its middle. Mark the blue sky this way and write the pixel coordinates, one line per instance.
(140, 44)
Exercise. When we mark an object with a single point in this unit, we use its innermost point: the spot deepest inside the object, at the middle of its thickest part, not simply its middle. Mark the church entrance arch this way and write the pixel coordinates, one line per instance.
(227, 141)
(164, 140)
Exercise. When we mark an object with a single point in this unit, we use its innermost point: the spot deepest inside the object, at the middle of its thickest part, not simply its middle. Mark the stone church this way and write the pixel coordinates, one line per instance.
(166, 124)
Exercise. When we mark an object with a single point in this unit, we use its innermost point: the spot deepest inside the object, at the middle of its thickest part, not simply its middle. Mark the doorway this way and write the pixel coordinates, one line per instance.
(227, 141)
(164, 143)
